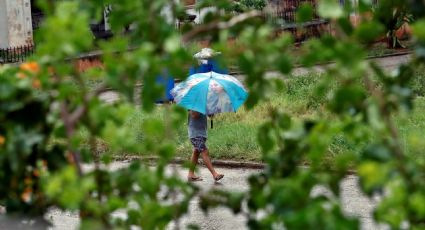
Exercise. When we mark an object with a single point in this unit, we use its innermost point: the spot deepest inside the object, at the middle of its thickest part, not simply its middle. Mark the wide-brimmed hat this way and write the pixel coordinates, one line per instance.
(206, 53)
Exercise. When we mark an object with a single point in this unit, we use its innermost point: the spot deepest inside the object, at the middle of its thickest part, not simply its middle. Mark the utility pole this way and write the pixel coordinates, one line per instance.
(15, 23)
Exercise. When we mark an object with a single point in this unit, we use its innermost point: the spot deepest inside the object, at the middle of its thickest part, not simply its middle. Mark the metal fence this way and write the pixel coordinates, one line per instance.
(16, 54)
(343, 2)
(282, 14)
(286, 9)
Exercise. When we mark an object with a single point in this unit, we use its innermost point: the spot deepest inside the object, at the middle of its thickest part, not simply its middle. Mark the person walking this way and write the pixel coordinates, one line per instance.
(208, 90)
(197, 130)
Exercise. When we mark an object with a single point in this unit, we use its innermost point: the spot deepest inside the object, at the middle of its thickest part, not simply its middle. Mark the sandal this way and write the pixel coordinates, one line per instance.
(218, 177)
(194, 178)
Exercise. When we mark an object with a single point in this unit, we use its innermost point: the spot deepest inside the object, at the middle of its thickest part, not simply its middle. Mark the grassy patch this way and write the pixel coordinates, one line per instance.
(381, 49)
(234, 134)
(418, 82)
(412, 126)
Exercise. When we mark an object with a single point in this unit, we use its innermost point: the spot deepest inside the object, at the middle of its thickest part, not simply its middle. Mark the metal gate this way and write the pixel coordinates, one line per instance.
(15, 54)
(282, 14)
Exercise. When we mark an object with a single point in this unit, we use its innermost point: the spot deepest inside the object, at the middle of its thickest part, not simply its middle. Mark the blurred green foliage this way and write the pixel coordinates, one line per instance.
(244, 5)
(50, 99)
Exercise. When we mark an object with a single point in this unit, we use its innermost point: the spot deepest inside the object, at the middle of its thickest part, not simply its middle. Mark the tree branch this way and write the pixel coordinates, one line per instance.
(69, 127)
(379, 95)
(81, 110)
(219, 25)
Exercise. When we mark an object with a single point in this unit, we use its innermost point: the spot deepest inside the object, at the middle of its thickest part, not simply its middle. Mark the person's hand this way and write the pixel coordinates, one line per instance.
(211, 116)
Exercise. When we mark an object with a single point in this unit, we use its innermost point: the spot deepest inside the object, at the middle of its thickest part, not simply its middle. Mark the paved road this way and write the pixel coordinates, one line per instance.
(354, 203)
(388, 63)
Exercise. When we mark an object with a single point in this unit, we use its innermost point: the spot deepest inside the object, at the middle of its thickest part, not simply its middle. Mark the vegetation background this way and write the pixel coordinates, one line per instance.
(51, 120)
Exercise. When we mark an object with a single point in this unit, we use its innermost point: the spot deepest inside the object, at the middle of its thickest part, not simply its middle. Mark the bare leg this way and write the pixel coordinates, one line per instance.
(207, 162)
(194, 161)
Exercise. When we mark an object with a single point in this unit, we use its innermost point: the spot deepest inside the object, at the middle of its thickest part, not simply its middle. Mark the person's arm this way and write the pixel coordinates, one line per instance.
(194, 114)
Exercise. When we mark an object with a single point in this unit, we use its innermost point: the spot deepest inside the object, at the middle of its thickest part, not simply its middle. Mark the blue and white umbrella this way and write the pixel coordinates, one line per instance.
(210, 93)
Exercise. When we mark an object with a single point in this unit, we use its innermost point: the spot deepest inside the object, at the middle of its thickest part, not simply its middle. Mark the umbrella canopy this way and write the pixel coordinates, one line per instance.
(210, 93)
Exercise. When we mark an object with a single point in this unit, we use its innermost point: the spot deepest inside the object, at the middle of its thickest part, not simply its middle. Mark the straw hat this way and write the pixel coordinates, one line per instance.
(206, 53)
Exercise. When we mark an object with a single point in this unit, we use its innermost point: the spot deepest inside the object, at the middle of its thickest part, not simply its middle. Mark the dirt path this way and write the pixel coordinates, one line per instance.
(353, 202)
(388, 63)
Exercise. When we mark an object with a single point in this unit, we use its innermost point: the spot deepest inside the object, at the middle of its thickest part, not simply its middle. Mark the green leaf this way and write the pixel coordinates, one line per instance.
(348, 99)
(172, 44)
(167, 150)
(304, 13)
(369, 31)
(284, 64)
(393, 209)
(419, 29)
(416, 202)
(372, 175)
(154, 128)
(284, 122)
(346, 25)
(377, 152)
(265, 139)
(330, 9)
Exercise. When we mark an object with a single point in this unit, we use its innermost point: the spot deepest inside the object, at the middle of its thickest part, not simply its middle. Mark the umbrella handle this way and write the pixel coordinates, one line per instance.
(212, 123)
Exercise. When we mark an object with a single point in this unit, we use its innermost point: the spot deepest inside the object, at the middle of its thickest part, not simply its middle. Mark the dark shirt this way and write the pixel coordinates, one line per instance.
(197, 127)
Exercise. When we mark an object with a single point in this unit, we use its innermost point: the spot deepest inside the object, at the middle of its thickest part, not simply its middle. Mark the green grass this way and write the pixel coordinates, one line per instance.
(411, 127)
(234, 134)
(381, 49)
(228, 140)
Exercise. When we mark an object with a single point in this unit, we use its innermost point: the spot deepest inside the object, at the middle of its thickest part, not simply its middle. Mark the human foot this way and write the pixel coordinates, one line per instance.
(218, 177)
(194, 178)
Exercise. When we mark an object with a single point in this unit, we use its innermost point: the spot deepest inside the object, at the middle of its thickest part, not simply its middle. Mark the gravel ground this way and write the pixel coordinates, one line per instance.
(353, 202)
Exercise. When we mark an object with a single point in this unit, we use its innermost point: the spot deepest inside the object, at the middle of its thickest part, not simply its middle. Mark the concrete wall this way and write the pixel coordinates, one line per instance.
(15, 23)
(4, 34)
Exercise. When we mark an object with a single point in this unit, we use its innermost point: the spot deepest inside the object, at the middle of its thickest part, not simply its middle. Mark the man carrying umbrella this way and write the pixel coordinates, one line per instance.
(197, 122)
(206, 93)
(197, 129)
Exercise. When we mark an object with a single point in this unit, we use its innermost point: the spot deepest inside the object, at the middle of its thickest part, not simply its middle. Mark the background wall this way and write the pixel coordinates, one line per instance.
(15, 23)
(4, 41)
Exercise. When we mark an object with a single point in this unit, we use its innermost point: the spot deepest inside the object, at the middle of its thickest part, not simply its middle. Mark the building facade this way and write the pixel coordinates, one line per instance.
(20, 18)
(15, 23)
